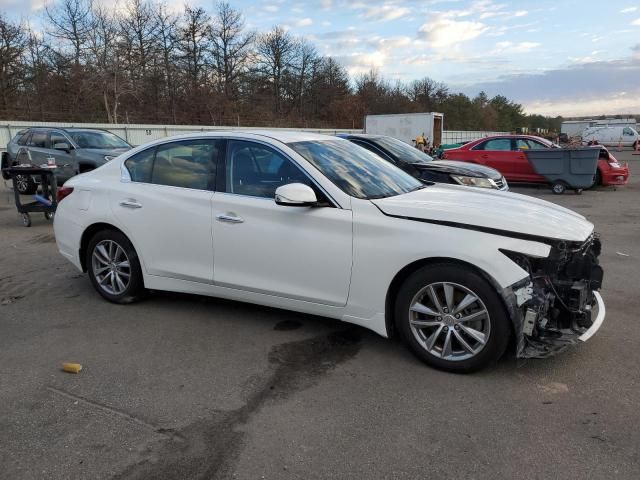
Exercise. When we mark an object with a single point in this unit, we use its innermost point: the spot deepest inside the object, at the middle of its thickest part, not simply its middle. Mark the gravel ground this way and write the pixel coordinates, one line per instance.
(181, 386)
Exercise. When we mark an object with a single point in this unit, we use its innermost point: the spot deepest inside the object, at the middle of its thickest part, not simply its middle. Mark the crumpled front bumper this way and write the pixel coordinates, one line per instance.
(541, 343)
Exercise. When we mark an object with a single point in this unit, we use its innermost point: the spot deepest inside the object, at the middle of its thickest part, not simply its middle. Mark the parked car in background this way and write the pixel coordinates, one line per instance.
(611, 136)
(318, 225)
(506, 153)
(422, 166)
(73, 150)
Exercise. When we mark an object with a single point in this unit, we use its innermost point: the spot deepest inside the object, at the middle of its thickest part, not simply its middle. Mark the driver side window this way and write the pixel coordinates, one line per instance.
(256, 170)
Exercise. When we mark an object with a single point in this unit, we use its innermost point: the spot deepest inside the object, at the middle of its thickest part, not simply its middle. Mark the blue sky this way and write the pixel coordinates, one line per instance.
(555, 57)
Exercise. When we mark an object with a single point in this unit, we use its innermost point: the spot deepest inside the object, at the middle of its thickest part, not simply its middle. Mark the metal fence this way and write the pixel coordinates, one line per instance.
(139, 134)
(457, 136)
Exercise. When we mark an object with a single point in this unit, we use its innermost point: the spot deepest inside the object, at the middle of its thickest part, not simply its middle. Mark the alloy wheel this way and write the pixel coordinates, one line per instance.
(111, 267)
(449, 321)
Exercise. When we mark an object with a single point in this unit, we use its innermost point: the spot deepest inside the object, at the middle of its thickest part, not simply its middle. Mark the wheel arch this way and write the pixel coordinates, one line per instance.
(409, 269)
(88, 234)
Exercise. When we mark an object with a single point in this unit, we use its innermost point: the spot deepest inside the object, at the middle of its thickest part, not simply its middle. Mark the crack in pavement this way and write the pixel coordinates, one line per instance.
(212, 447)
(105, 408)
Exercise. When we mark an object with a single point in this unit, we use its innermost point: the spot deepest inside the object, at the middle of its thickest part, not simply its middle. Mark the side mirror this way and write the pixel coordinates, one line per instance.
(62, 146)
(295, 195)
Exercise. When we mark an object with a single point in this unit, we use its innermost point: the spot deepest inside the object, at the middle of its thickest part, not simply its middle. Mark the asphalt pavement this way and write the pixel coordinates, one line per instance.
(180, 386)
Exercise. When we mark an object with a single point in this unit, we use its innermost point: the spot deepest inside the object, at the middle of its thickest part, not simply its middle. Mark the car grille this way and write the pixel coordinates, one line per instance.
(501, 183)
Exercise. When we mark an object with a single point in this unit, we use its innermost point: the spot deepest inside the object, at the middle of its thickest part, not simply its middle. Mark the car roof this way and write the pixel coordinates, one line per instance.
(359, 135)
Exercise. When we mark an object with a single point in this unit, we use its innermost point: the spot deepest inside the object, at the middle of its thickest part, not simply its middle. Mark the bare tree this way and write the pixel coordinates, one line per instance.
(275, 51)
(231, 48)
(13, 44)
(167, 43)
(194, 37)
(70, 21)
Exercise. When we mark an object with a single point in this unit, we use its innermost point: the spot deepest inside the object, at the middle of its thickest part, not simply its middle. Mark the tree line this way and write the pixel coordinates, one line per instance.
(148, 64)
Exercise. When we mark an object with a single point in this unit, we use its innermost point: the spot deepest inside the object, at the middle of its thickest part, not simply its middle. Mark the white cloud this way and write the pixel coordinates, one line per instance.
(515, 47)
(326, 4)
(636, 22)
(303, 22)
(628, 9)
(386, 12)
(520, 13)
(444, 32)
(271, 8)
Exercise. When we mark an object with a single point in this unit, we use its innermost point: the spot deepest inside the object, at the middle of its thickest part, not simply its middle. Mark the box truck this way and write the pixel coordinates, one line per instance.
(407, 126)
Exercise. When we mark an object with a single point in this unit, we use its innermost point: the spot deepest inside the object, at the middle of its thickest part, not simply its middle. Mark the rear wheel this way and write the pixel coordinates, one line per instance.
(452, 318)
(113, 267)
(597, 179)
(4, 163)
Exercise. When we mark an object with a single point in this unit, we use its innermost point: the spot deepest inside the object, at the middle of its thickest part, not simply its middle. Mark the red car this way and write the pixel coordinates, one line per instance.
(506, 154)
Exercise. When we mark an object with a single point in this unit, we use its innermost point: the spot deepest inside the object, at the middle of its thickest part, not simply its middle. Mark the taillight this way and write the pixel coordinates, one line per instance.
(62, 193)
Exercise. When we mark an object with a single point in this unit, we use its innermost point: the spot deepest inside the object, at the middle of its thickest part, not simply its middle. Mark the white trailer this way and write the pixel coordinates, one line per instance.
(574, 128)
(407, 126)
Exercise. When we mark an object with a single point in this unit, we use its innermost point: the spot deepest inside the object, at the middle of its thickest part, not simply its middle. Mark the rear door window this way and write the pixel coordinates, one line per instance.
(187, 163)
(38, 140)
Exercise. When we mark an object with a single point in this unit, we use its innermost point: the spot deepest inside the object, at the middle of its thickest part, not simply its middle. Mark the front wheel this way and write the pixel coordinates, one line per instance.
(114, 268)
(452, 318)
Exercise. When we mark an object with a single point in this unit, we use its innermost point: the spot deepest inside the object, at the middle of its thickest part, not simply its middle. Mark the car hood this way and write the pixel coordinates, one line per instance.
(489, 209)
(460, 168)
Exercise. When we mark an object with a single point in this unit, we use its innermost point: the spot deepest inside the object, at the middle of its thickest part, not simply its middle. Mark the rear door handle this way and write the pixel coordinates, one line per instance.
(229, 218)
(130, 204)
(485, 156)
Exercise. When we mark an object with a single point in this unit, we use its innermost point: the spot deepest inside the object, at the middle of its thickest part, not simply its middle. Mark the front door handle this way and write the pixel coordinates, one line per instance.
(485, 156)
(229, 218)
(130, 204)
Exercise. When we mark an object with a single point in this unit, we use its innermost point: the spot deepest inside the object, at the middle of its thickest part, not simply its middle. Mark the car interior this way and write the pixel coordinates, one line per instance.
(258, 172)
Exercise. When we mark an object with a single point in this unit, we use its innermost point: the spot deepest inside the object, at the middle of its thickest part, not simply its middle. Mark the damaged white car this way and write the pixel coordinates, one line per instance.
(319, 225)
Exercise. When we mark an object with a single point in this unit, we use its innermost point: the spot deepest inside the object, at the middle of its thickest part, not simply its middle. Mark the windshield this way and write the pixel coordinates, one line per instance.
(356, 171)
(401, 150)
(94, 139)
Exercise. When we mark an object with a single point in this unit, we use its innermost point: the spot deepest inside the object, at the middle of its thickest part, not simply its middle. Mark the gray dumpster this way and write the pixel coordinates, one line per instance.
(564, 168)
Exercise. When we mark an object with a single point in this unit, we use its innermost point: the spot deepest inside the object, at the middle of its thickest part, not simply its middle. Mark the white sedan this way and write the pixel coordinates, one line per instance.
(319, 225)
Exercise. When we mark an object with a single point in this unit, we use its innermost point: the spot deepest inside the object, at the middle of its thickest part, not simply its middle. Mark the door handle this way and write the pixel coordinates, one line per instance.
(229, 218)
(485, 156)
(130, 204)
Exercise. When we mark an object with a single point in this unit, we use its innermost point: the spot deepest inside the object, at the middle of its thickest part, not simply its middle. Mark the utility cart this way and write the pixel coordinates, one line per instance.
(45, 202)
(573, 168)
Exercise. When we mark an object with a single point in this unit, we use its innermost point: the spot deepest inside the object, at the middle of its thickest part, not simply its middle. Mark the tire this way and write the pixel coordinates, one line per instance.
(485, 316)
(558, 188)
(597, 179)
(26, 220)
(4, 163)
(109, 249)
(26, 185)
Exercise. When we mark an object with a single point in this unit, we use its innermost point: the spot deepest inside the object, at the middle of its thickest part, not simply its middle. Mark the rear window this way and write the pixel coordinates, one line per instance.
(21, 137)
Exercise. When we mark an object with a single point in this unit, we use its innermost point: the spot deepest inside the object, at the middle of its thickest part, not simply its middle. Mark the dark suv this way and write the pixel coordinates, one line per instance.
(73, 150)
